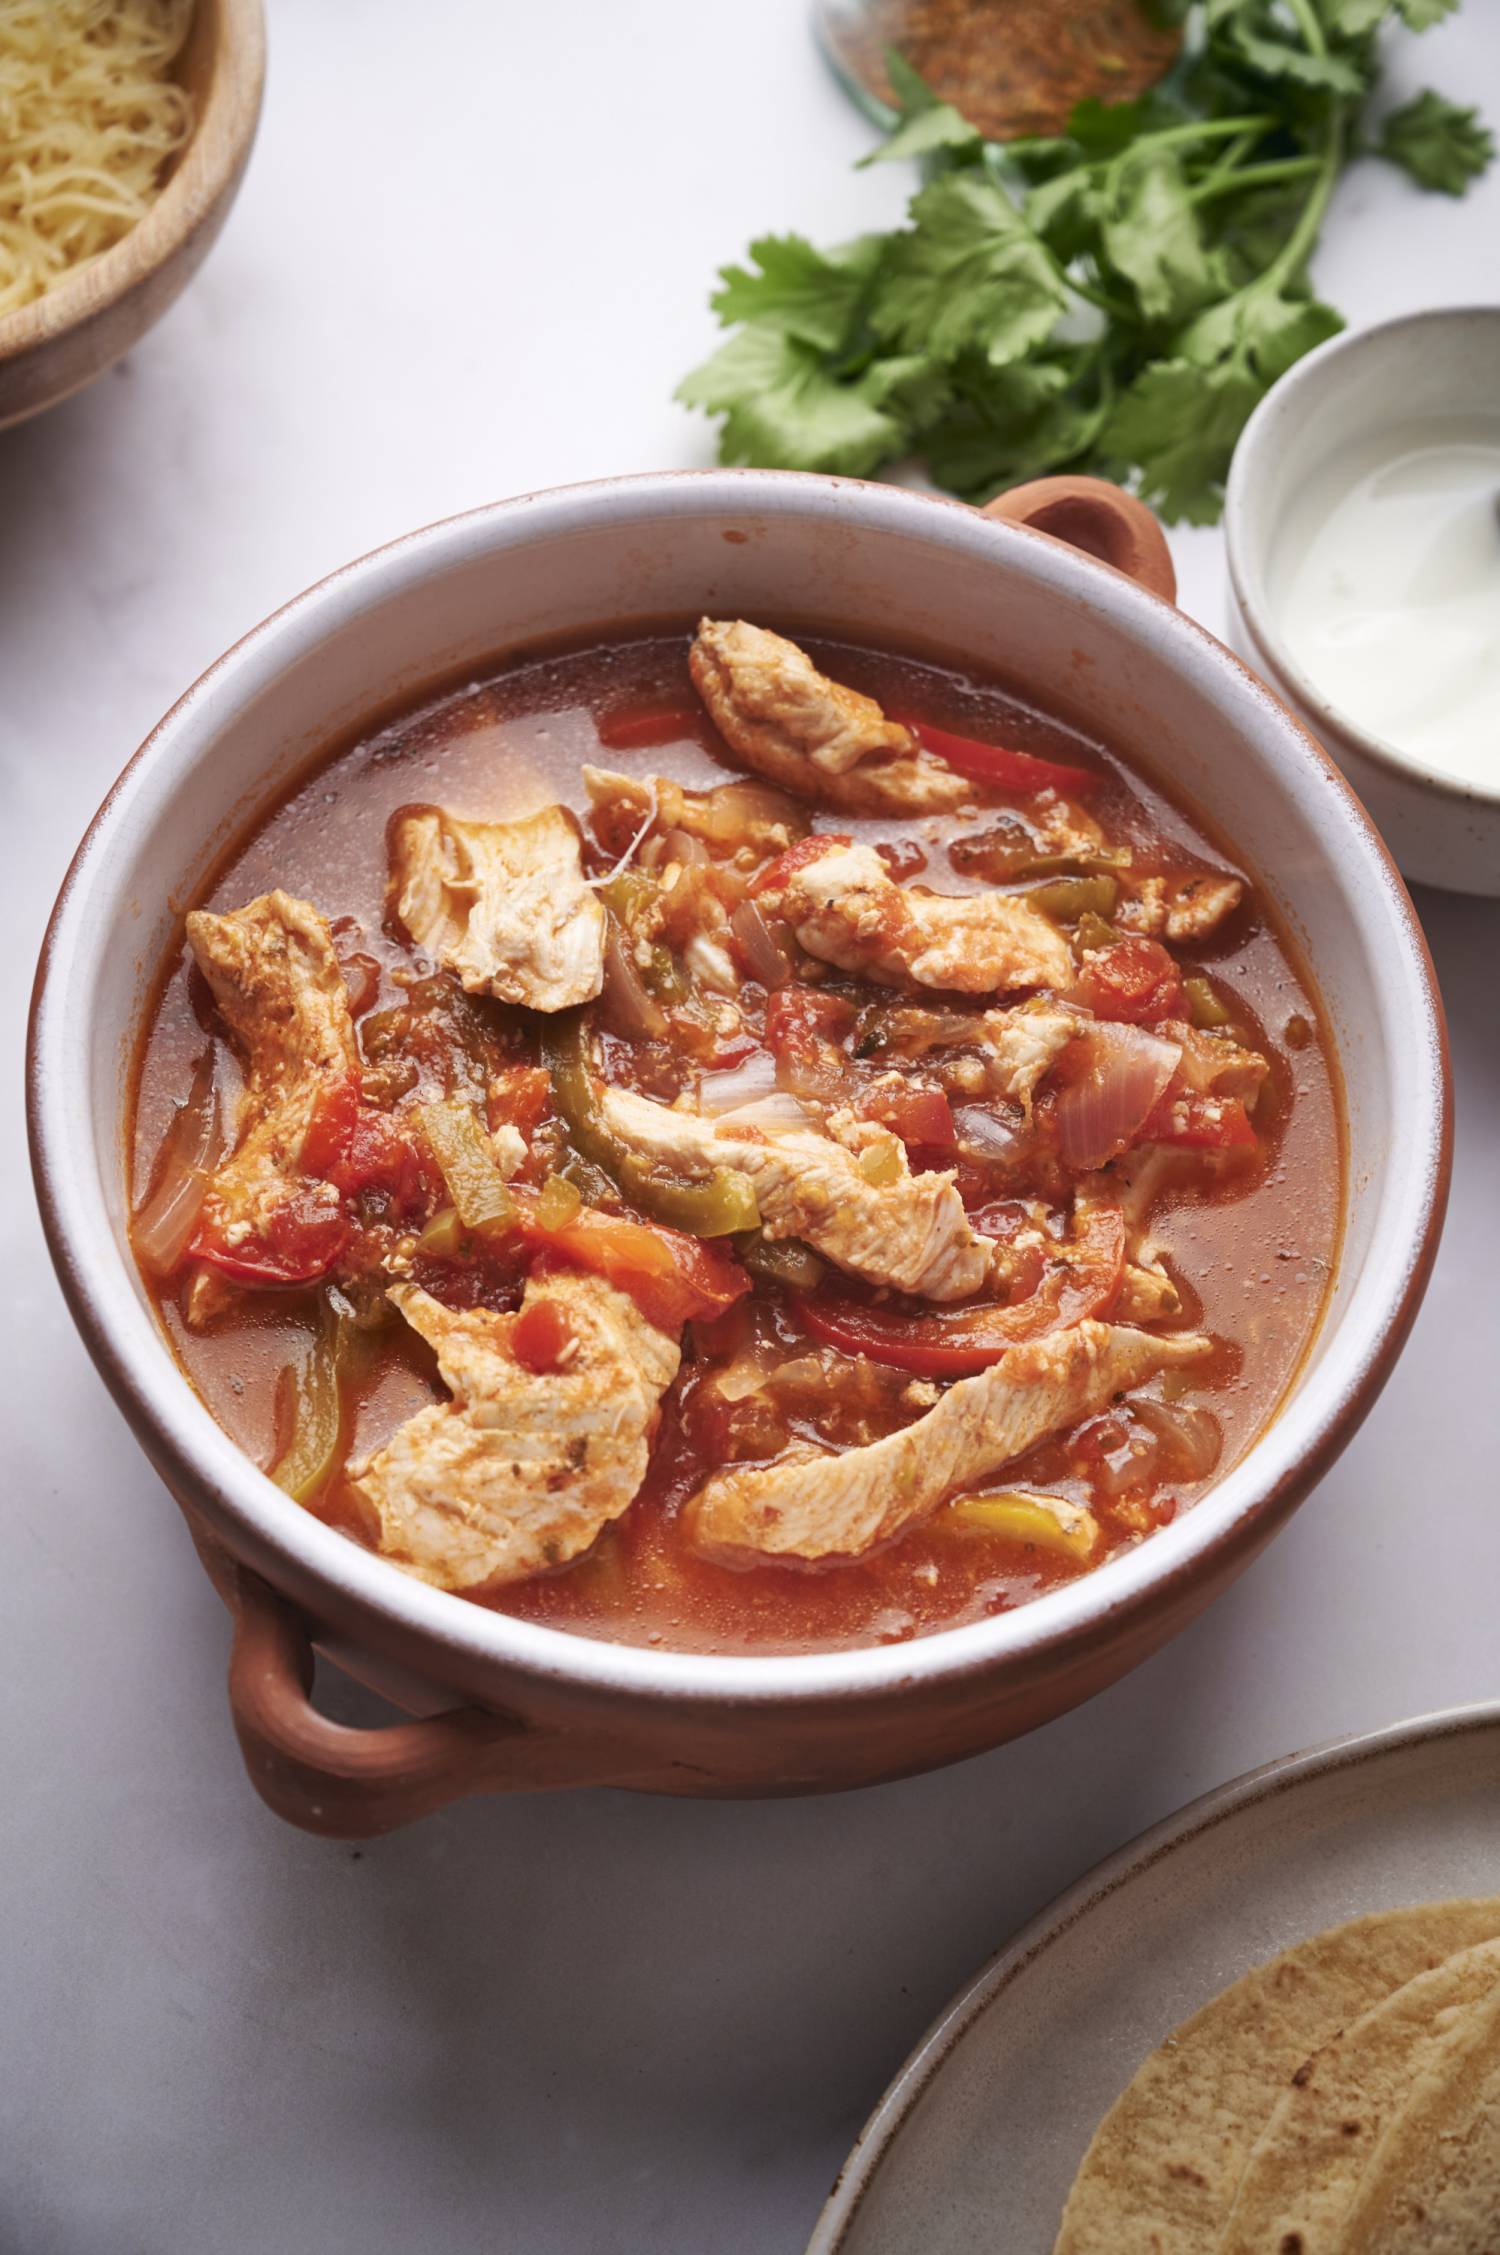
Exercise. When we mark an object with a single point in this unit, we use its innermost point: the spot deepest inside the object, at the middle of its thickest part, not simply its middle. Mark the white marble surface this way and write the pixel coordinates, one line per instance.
(471, 257)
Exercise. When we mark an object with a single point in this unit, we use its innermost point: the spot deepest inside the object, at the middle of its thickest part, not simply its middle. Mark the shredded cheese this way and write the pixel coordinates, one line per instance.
(89, 118)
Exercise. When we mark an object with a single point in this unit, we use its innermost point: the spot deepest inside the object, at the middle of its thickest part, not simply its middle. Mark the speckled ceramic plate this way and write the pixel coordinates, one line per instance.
(978, 2138)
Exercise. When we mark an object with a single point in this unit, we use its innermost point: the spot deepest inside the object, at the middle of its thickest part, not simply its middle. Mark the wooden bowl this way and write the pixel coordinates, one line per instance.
(63, 340)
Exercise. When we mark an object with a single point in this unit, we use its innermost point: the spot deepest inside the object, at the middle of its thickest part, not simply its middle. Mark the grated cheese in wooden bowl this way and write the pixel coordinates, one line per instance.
(90, 118)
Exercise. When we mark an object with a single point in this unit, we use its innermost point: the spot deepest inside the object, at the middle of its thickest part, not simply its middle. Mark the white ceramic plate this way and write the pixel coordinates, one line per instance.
(978, 2138)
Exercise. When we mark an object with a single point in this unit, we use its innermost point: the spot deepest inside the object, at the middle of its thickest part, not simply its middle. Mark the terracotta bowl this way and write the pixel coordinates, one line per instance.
(53, 347)
(528, 1706)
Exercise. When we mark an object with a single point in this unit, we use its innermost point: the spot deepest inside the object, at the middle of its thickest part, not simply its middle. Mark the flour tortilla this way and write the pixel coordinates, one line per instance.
(1433, 2183)
(1307, 2166)
(1161, 2173)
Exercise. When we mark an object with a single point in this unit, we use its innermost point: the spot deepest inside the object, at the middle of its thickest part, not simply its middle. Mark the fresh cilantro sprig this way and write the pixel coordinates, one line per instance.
(1115, 299)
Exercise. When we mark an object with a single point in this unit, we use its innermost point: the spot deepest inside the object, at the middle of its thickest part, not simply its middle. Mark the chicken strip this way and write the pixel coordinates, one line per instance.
(1005, 1052)
(280, 991)
(844, 907)
(504, 906)
(520, 1470)
(809, 734)
(1180, 908)
(814, 1507)
(909, 1231)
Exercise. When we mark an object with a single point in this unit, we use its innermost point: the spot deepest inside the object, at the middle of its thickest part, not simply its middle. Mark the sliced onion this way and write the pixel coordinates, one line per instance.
(690, 852)
(773, 1112)
(744, 1084)
(1191, 1434)
(1127, 1070)
(979, 1135)
(746, 1375)
(733, 813)
(188, 1156)
(632, 1009)
(765, 957)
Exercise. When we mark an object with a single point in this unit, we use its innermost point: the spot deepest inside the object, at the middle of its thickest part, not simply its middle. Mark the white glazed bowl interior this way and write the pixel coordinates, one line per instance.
(879, 564)
(1427, 365)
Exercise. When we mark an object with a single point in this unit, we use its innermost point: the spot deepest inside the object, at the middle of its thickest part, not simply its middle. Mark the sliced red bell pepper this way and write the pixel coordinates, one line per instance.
(955, 1346)
(641, 728)
(1007, 770)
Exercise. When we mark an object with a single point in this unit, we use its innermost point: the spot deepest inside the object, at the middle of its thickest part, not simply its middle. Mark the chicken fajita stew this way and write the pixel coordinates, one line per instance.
(737, 1145)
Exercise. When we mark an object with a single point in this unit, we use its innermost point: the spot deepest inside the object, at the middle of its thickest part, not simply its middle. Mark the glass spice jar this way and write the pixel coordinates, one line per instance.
(1013, 67)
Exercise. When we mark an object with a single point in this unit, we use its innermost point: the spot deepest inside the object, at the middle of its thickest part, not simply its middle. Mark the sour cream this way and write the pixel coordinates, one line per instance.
(1385, 581)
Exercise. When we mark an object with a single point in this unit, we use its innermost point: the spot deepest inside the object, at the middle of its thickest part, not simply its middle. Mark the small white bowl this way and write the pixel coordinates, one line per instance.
(1441, 831)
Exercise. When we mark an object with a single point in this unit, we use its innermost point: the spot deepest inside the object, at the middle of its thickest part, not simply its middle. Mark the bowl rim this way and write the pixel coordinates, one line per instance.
(1247, 561)
(133, 1355)
(206, 169)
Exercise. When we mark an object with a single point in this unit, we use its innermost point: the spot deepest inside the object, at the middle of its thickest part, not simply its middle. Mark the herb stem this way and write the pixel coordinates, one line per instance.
(1308, 25)
(1226, 161)
(1298, 245)
(1203, 129)
(1230, 182)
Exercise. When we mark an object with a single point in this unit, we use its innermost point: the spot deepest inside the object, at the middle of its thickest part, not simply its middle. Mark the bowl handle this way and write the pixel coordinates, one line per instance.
(352, 1784)
(1090, 514)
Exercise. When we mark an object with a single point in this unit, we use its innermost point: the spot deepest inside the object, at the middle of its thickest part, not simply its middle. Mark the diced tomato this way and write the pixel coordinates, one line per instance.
(730, 1050)
(543, 1338)
(520, 1097)
(773, 877)
(804, 1029)
(996, 763)
(797, 1016)
(921, 1116)
(671, 1277)
(356, 1147)
(1198, 1122)
(302, 1241)
(381, 1157)
(902, 860)
(641, 728)
(1134, 980)
(334, 1115)
(954, 1346)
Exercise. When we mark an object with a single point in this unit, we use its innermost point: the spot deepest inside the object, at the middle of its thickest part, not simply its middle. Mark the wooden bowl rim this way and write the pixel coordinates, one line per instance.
(204, 172)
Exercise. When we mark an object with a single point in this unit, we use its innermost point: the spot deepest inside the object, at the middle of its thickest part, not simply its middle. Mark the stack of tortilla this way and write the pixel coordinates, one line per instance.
(1343, 2099)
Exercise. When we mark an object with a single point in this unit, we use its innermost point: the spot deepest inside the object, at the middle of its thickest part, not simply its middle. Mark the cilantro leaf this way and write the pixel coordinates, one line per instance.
(909, 89)
(1064, 211)
(1008, 423)
(1352, 19)
(1106, 129)
(1274, 57)
(1122, 310)
(784, 409)
(1439, 144)
(968, 273)
(1151, 235)
(922, 133)
(815, 295)
(1263, 328)
(1177, 424)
